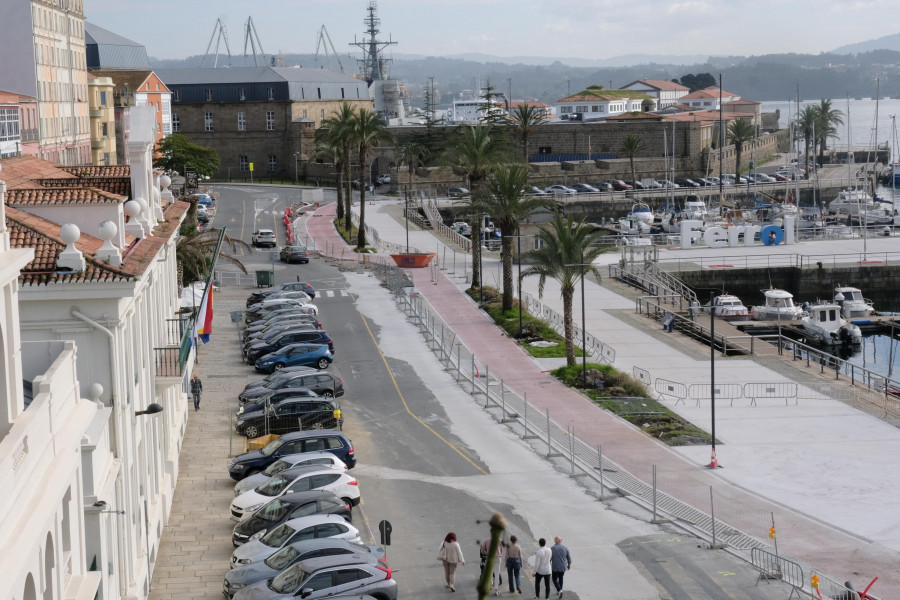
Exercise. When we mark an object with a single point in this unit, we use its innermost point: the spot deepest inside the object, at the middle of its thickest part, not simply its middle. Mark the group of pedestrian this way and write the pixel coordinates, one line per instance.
(549, 564)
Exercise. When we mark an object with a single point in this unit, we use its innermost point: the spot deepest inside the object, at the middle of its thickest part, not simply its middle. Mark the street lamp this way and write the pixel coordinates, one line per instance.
(296, 160)
(583, 333)
(518, 238)
(152, 409)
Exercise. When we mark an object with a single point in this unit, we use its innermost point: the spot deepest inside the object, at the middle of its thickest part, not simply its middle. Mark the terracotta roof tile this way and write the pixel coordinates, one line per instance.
(99, 170)
(22, 197)
(23, 171)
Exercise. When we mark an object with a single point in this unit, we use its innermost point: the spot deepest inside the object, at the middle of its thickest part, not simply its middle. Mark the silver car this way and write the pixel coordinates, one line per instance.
(264, 237)
(295, 530)
(326, 577)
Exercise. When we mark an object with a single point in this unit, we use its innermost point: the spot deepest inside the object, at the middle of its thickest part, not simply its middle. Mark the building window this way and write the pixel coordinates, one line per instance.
(102, 98)
(176, 96)
(564, 110)
(104, 129)
(208, 121)
(273, 163)
(245, 164)
(581, 109)
(304, 113)
(270, 120)
(271, 92)
(241, 95)
(9, 124)
(538, 243)
(242, 121)
(319, 90)
(323, 115)
(106, 158)
(208, 95)
(176, 122)
(342, 92)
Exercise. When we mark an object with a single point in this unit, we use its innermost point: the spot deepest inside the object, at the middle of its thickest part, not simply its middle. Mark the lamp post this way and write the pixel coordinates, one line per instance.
(713, 463)
(152, 409)
(518, 237)
(583, 333)
(296, 168)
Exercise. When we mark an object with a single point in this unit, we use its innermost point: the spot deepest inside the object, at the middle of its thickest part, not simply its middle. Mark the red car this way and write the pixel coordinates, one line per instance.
(619, 185)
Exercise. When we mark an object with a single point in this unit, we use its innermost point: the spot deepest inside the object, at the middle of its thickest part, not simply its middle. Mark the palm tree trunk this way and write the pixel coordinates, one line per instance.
(340, 196)
(525, 146)
(633, 177)
(507, 266)
(348, 192)
(476, 251)
(567, 295)
(361, 235)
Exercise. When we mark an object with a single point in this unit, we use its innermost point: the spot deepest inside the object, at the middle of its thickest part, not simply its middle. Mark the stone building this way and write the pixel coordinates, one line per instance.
(103, 120)
(265, 116)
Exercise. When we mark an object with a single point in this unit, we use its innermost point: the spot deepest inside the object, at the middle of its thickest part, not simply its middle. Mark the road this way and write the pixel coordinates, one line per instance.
(432, 461)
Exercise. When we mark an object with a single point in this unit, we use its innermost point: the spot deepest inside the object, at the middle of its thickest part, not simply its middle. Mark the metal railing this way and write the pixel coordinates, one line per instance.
(168, 361)
(595, 348)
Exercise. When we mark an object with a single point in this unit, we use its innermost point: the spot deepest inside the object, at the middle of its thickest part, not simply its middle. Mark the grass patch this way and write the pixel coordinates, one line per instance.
(351, 236)
(626, 397)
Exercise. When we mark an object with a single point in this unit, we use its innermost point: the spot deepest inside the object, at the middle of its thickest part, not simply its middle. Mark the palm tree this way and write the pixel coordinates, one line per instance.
(476, 153)
(740, 132)
(826, 124)
(506, 203)
(806, 127)
(566, 246)
(368, 129)
(194, 253)
(331, 150)
(411, 154)
(525, 120)
(340, 129)
(632, 145)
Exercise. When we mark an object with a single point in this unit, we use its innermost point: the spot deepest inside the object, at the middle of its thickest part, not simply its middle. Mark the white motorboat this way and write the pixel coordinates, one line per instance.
(860, 206)
(728, 307)
(695, 209)
(823, 322)
(853, 304)
(632, 225)
(641, 212)
(779, 306)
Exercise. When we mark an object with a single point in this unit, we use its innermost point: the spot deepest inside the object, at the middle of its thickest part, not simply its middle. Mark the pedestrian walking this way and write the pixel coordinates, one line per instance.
(496, 577)
(513, 564)
(451, 556)
(542, 560)
(560, 562)
(196, 388)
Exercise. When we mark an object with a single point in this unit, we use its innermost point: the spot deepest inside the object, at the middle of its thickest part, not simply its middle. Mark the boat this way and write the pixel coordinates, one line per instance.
(853, 304)
(779, 306)
(641, 211)
(728, 307)
(631, 225)
(860, 206)
(824, 323)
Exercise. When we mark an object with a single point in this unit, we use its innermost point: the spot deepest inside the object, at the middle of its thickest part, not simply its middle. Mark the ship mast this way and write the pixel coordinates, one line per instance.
(372, 66)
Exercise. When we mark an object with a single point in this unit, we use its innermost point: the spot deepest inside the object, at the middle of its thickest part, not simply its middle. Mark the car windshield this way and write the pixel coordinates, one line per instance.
(277, 467)
(270, 448)
(288, 580)
(274, 486)
(282, 558)
(273, 511)
(278, 536)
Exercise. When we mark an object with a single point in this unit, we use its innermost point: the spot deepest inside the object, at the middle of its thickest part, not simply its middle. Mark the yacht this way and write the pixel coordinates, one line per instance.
(728, 307)
(853, 304)
(824, 323)
(779, 306)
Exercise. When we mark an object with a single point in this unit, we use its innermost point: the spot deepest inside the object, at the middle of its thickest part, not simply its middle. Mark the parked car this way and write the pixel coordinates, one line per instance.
(279, 560)
(280, 318)
(534, 191)
(297, 442)
(264, 237)
(202, 217)
(261, 348)
(618, 185)
(274, 398)
(324, 384)
(203, 199)
(296, 530)
(650, 184)
(261, 312)
(274, 330)
(287, 507)
(383, 179)
(667, 184)
(327, 577)
(286, 372)
(715, 181)
(560, 190)
(297, 479)
(685, 182)
(295, 355)
(603, 186)
(290, 415)
(637, 185)
(763, 178)
(326, 459)
(292, 254)
(288, 286)
(293, 295)
(457, 192)
(583, 188)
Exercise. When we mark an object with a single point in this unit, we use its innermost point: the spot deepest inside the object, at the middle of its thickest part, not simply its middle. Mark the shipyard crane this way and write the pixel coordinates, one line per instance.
(251, 38)
(323, 40)
(219, 29)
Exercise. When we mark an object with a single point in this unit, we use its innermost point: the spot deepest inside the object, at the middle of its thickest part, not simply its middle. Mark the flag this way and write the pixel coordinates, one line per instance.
(203, 321)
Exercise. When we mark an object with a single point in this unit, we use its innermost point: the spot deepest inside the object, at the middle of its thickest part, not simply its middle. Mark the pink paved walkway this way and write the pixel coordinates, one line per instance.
(817, 544)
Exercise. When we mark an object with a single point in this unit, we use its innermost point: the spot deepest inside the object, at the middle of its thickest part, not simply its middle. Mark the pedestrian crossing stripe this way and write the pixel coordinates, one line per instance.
(330, 293)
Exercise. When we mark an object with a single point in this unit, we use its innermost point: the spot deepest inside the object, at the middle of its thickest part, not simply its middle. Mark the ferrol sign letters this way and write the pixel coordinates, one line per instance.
(734, 236)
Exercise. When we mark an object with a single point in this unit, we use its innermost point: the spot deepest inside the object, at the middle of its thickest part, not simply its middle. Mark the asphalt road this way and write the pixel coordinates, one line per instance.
(431, 461)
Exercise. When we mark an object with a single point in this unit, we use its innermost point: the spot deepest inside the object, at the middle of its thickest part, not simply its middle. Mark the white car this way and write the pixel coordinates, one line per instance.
(323, 459)
(383, 179)
(297, 479)
(295, 530)
(274, 303)
(264, 237)
(560, 190)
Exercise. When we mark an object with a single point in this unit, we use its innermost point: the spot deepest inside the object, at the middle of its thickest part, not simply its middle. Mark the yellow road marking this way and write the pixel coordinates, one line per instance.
(406, 406)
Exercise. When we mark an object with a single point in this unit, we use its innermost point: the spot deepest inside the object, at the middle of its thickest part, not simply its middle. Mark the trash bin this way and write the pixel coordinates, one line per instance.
(265, 279)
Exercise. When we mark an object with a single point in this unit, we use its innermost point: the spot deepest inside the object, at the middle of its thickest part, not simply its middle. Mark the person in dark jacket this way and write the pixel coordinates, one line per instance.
(196, 388)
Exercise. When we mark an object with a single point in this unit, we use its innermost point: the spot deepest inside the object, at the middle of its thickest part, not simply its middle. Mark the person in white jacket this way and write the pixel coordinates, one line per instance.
(451, 556)
(542, 569)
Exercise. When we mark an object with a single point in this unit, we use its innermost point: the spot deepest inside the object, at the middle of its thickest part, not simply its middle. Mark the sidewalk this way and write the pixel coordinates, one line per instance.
(798, 456)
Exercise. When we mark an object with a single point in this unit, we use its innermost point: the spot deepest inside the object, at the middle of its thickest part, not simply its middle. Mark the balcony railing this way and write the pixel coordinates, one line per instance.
(171, 359)
(168, 362)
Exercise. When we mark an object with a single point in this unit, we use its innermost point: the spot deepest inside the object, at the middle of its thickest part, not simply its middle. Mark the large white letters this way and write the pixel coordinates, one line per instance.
(720, 237)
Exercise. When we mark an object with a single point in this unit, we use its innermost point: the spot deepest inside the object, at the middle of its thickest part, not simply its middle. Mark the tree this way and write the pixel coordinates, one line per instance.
(340, 129)
(368, 130)
(565, 247)
(740, 131)
(826, 124)
(476, 152)
(177, 152)
(411, 154)
(194, 253)
(491, 113)
(331, 150)
(806, 127)
(508, 206)
(525, 119)
(632, 145)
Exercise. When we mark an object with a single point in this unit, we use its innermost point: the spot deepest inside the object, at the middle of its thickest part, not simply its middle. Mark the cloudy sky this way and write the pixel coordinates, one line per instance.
(583, 29)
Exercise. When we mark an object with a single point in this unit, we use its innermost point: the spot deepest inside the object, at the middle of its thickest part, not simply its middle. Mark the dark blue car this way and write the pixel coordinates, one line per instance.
(295, 355)
(296, 442)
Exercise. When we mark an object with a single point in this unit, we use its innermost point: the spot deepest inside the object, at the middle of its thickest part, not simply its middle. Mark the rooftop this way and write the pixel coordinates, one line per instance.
(660, 84)
(107, 50)
(598, 92)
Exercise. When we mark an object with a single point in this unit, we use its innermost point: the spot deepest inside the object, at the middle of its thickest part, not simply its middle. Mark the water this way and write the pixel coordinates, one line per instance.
(874, 354)
(862, 120)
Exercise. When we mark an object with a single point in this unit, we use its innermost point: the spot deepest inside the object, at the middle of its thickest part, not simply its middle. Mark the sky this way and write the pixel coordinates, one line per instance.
(584, 29)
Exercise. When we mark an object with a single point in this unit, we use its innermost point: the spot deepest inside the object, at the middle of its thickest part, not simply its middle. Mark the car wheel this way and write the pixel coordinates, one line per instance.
(328, 394)
(278, 366)
(323, 363)
(252, 431)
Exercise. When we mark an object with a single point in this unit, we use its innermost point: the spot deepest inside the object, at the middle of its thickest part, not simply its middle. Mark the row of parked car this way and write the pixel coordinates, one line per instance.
(294, 498)
(618, 185)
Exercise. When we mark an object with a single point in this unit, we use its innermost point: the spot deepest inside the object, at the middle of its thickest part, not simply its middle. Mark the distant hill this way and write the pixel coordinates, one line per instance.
(888, 42)
(626, 60)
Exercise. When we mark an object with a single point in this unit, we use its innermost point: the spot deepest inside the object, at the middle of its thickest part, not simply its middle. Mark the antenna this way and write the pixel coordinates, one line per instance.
(372, 66)
(323, 40)
(219, 29)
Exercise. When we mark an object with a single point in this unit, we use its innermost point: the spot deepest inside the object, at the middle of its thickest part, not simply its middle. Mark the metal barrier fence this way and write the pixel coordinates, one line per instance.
(771, 566)
(671, 389)
(724, 391)
(824, 586)
(784, 389)
(595, 348)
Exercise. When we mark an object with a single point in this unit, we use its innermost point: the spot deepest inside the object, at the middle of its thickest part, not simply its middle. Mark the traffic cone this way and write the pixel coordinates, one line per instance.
(713, 463)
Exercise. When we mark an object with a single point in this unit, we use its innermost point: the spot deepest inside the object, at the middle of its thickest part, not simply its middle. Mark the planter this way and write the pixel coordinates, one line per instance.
(413, 260)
